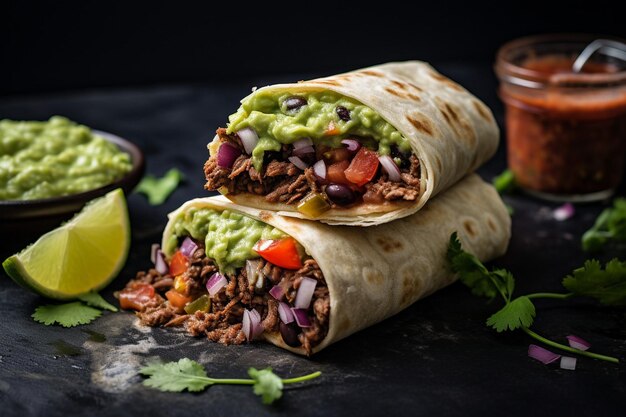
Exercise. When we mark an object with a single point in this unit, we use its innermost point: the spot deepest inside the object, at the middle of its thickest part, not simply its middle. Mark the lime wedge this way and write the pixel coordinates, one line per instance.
(80, 256)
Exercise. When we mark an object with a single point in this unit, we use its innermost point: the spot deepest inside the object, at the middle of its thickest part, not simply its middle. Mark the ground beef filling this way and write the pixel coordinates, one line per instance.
(281, 181)
(223, 321)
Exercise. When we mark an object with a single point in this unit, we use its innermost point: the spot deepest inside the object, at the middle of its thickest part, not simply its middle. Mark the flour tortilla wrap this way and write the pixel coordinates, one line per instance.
(451, 132)
(373, 273)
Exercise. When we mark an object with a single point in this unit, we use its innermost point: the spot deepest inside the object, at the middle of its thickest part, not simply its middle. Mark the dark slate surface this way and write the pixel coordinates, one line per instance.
(435, 358)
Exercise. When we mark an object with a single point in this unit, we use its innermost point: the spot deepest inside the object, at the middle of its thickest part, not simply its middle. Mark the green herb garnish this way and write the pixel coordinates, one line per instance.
(74, 313)
(607, 286)
(190, 375)
(505, 182)
(159, 189)
(609, 226)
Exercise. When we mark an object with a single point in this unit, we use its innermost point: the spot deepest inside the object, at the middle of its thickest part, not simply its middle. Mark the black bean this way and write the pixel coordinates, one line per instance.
(343, 113)
(340, 194)
(295, 102)
(289, 333)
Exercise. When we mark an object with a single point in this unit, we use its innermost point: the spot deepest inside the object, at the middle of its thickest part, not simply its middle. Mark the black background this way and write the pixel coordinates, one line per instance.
(74, 44)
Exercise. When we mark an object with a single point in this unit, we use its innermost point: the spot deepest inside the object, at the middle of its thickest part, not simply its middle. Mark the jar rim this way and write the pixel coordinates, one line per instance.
(509, 71)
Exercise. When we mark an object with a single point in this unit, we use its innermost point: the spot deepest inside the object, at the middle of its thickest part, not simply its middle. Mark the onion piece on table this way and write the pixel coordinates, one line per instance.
(299, 163)
(578, 343)
(249, 139)
(564, 212)
(305, 293)
(390, 168)
(301, 317)
(215, 283)
(251, 324)
(567, 362)
(285, 313)
(226, 155)
(542, 355)
(189, 247)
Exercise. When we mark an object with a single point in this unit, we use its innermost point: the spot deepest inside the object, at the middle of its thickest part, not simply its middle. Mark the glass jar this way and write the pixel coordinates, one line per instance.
(566, 131)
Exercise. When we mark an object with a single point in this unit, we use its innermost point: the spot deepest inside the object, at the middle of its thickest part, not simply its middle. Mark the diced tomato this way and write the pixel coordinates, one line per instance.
(332, 130)
(136, 297)
(178, 264)
(336, 172)
(280, 252)
(337, 155)
(363, 167)
(176, 299)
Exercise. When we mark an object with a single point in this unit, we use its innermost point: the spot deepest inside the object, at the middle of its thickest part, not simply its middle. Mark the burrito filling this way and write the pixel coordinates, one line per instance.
(315, 150)
(233, 279)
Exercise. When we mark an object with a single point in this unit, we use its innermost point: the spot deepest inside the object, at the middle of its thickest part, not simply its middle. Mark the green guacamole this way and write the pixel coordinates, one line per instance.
(55, 158)
(267, 114)
(229, 237)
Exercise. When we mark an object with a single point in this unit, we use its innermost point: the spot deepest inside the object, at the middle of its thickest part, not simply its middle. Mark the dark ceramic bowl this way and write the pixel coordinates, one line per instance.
(30, 215)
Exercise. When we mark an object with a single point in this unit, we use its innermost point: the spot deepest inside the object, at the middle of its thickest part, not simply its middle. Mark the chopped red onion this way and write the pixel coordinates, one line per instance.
(542, 355)
(153, 252)
(352, 145)
(301, 317)
(319, 169)
(567, 362)
(285, 313)
(277, 292)
(305, 293)
(251, 324)
(160, 265)
(302, 143)
(226, 155)
(390, 168)
(564, 212)
(298, 162)
(578, 343)
(303, 151)
(189, 247)
(249, 139)
(216, 283)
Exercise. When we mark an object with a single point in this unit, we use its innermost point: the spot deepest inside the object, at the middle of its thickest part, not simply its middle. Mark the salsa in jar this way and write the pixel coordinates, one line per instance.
(566, 130)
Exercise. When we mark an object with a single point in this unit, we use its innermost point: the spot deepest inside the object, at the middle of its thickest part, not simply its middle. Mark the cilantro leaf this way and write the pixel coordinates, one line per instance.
(159, 189)
(518, 313)
(176, 376)
(608, 286)
(609, 226)
(67, 315)
(267, 384)
(475, 275)
(95, 300)
(505, 182)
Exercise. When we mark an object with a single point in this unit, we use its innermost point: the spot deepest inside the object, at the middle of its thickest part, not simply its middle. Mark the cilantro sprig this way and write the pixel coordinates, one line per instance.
(608, 286)
(74, 313)
(189, 375)
(610, 226)
(157, 190)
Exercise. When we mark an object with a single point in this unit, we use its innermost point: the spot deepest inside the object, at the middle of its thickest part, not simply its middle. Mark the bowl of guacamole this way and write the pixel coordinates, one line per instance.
(52, 168)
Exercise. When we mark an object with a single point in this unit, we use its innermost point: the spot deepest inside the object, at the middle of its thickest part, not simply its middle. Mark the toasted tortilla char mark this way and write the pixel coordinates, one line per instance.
(470, 228)
(491, 225)
(265, 216)
(418, 89)
(414, 97)
(388, 244)
(480, 108)
(393, 92)
(445, 80)
(344, 325)
(410, 288)
(372, 73)
(374, 276)
(329, 82)
(423, 126)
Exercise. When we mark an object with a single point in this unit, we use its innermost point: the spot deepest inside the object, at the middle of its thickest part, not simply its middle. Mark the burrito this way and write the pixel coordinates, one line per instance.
(237, 274)
(361, 148)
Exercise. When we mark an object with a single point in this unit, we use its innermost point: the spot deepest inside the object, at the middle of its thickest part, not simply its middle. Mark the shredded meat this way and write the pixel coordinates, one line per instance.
(281, 181)
(223, 323)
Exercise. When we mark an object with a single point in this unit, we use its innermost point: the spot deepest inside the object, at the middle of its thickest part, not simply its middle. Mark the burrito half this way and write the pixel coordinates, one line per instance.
(361, 148)
(237, 274)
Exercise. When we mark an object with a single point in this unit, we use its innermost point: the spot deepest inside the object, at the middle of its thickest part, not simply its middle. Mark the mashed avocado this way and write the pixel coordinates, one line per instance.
(55, 158)
(229, 237)
(277, 120)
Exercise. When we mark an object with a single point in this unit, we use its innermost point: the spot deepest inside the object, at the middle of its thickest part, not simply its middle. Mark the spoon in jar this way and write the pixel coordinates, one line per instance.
(608, 47)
